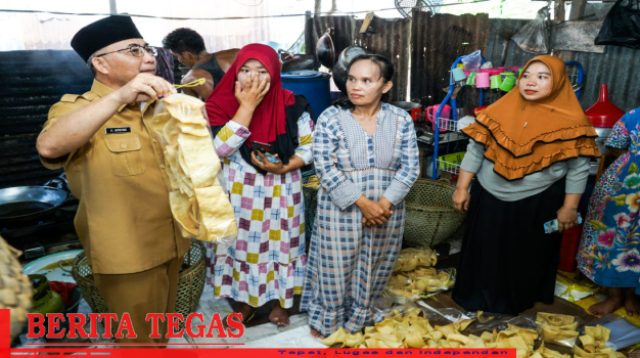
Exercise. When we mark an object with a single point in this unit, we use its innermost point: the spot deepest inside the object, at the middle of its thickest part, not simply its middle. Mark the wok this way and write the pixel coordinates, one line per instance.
(22, 203)
(299, 62)
(325, 50)
(339, 70)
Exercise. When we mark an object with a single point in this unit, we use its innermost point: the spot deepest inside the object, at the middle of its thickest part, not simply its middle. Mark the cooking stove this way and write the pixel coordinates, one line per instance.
(45, 235)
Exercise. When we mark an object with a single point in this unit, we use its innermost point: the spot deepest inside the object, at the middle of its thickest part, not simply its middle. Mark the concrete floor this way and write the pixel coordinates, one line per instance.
(260, 333)
(264, 335)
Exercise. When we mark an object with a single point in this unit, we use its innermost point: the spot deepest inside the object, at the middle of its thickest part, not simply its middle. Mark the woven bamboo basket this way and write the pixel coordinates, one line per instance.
(15, 288)
(190, 281)
(430, 216)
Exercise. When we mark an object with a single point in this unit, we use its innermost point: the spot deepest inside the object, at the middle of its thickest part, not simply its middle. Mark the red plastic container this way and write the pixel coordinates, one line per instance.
(603, 113)
(416, 113)
(569, 249)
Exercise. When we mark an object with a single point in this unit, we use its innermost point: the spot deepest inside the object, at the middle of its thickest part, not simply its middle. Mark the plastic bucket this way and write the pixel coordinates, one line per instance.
(313, 85)
(444, 116)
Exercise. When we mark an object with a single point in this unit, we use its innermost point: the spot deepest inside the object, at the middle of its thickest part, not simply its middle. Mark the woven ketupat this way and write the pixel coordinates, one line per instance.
(430, 217)
(198, 203)
(15, 287)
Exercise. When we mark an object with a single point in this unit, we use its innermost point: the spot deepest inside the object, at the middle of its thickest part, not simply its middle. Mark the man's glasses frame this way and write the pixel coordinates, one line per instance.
(135, 50)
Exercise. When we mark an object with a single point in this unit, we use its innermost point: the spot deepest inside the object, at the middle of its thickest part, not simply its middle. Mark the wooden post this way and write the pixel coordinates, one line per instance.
(577, 12)
(309, 43)
(577, 9)
(558, 11)
(558, 17)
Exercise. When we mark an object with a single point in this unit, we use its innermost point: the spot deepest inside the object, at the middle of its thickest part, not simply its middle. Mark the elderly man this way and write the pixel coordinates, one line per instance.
(101, 139)
(188, 47)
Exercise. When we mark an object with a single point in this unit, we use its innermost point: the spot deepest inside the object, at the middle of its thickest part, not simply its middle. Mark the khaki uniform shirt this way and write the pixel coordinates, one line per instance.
(124, 220)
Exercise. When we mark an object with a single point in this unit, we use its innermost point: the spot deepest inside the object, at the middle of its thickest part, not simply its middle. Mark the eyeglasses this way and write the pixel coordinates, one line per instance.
(135, 50)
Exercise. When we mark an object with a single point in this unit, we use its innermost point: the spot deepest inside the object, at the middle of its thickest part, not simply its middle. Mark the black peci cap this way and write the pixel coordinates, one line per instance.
(102, 33)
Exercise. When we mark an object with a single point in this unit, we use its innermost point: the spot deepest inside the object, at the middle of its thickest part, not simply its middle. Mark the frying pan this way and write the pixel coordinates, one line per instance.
(299, 62)
(339, 70)
(325, 50)
(24, 203)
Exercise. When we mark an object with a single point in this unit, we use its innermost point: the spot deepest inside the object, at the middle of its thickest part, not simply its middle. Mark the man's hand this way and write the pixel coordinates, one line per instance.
(144, 87)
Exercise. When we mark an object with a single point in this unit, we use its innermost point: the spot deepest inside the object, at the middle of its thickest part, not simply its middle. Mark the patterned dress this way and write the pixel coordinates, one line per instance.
(610, 248)
(267, 261)
(349, 263)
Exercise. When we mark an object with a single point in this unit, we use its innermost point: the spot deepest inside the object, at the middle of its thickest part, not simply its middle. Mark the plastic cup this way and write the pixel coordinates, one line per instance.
(508, 83)
(471, 79)
(495, 80)
(482, 80)
(458, 74)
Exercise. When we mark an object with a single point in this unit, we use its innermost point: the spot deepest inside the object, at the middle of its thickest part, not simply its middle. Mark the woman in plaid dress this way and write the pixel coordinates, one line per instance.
(253, 118)
(366, 156)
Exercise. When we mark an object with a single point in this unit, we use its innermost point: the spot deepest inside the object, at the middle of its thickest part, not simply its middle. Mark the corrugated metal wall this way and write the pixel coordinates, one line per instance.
(619, 67)
(343, 35)
(499, 33)
(31, 82)
(434, 42)
(437, 41)
(391, 38)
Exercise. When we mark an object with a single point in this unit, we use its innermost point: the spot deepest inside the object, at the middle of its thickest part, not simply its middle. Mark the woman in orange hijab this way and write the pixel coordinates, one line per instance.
(530, 154)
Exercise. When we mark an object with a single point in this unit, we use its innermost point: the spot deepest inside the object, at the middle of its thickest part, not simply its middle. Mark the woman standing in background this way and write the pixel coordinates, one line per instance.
(366, 156)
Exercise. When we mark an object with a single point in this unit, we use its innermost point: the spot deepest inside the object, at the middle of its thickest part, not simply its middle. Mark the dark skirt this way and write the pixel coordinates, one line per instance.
(507, 262)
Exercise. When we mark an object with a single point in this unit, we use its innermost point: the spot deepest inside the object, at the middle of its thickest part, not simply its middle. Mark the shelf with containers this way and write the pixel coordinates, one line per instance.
(491, 84)
(447, 119)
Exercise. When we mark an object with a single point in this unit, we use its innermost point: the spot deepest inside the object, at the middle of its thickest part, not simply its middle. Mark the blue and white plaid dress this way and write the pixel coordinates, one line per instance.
(349, 263)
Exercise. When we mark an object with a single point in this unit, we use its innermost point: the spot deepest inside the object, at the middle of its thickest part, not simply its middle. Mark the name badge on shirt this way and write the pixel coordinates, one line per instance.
(118, 130)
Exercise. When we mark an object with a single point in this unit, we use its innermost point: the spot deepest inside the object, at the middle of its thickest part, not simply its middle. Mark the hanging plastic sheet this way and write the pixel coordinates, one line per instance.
(621, 26)
(534, 36)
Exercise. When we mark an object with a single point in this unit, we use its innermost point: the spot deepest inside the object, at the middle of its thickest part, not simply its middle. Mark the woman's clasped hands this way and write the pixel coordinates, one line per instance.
(374, 212)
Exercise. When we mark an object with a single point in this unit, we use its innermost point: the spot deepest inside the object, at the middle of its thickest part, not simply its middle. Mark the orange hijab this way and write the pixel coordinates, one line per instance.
(522, 137)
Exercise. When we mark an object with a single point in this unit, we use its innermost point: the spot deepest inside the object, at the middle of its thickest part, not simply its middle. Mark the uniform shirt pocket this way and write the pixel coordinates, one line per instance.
(125, 154)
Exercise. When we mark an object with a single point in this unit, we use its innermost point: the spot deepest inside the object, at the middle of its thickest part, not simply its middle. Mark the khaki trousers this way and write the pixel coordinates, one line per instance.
(150, 291)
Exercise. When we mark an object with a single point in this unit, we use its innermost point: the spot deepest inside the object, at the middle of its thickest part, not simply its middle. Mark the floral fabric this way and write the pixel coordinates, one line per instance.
(610, 248)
